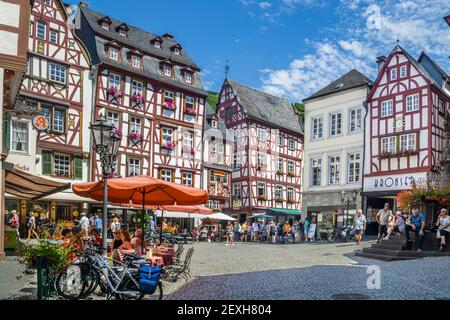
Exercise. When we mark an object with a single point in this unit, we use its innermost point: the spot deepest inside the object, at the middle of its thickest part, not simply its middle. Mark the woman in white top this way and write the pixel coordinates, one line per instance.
(115, 225)
(443, 224)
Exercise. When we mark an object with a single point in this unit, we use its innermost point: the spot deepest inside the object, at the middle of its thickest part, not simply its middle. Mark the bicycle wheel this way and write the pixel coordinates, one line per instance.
(78, 282)
(331, 237)
(157, 295)
(131, 286)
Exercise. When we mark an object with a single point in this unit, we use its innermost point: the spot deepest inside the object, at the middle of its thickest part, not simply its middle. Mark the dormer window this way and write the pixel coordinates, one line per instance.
(136, 61)
(167, 70)
(123, 29)
(213, 124)
(105, 25)
(123, 32)
(188, 77)
(157, 44)
(105, 22)
(114, 54)
(176, 51)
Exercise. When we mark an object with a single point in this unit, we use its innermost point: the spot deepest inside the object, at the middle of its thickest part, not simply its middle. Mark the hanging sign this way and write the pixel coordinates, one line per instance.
(40, 123)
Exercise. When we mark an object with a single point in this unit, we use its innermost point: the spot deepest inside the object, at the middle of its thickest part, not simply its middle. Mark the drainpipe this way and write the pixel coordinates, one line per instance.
(363, 202)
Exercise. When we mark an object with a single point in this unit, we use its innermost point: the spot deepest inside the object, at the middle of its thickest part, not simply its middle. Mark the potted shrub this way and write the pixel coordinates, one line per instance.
(59, 256)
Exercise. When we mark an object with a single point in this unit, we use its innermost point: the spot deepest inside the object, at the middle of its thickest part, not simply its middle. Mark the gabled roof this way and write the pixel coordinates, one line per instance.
(265, 107)
(352, 79)
(136, 37)
(210, 114)
(435, 71)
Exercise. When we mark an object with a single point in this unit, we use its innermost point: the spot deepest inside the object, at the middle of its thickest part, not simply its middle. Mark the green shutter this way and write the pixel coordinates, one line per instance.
(46, 163)
(7, 136)
(78, 167)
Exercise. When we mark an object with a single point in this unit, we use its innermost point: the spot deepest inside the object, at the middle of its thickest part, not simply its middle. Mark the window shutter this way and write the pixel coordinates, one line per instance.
(7, 137)
(46, 163)
(78, 167)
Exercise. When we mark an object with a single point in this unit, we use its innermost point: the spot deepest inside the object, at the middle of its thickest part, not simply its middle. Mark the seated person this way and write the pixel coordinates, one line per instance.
(126, 246)
(136, 242)
(204, 233)
(117, 242)
(96, 236)
(443, 224)
(391, 225)
(416, 224)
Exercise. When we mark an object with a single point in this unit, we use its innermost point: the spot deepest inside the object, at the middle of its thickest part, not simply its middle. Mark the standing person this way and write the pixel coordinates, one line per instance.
(255, 229)
(230, 234)
(250, 233)
(244, 229)
(31, 226)
(383, 220)
(152, 225)
(416, 224)
(359, 224)
(237, 231)
(273, 232)
(306, 228)
(115, 225)
(91, 223)
(443, 224)
(98, 224)
(84, 224)
(14, 222)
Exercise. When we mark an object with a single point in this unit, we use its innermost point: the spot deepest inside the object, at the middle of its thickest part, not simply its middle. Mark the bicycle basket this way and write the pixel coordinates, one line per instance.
(149, 277)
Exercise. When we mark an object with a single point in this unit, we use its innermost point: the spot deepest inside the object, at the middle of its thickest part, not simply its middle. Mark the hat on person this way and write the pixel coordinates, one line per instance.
(83, 214)
(13, 211)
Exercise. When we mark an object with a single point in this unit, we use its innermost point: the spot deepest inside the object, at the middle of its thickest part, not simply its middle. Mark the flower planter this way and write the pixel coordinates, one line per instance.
(169, 106)
(168, 146)
(280, 172)
(279, 199)
(261, 168)
(291, 174)
(188, 149)
(190, 112)
(262, 198)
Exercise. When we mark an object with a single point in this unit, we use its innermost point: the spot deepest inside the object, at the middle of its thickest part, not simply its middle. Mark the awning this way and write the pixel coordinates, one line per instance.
(28, 186)
(286, 212)
(180, 215)
(262, 216)
(220, 216)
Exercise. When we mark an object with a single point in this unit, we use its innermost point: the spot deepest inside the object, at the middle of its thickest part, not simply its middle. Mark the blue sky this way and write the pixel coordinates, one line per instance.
(290, 48)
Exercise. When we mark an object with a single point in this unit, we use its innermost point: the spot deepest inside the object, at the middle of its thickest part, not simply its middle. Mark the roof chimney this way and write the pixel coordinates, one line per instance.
(381, 61)
(83, 4)
(168, 36)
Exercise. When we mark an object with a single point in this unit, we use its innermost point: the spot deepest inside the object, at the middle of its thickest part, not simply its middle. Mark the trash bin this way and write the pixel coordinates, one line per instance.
(10, 238)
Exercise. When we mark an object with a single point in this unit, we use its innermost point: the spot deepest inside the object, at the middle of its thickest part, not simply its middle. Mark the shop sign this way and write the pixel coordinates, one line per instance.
(40, 123)
(236, 204)
(393, 182)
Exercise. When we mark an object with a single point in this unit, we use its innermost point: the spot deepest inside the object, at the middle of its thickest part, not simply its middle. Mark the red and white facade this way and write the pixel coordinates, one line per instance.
(405, 129)
(267, 161)
(56, 85)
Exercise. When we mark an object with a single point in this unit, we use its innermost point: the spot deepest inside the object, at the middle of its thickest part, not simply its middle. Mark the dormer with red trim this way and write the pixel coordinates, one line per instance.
(112, 49)
(105, 22)
(188, 75)
(123, 29)
(167, 69)
(135, 58)
(168, 36)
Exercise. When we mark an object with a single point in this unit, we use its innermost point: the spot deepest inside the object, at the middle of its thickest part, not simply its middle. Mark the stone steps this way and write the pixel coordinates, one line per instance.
(375, 256)
(389, 246)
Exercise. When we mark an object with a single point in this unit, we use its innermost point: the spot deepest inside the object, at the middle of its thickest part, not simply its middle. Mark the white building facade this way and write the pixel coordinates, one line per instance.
(334, 147)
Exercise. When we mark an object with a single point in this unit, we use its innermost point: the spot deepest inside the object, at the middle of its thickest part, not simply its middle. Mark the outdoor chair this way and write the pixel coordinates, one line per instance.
(178, 253)
(180, 269)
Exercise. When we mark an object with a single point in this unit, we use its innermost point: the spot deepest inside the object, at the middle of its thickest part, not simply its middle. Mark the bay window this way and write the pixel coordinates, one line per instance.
(408, 142)
(388, 145)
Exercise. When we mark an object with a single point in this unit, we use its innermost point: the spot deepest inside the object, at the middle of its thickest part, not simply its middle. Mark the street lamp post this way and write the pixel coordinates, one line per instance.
(351, 199)
(106, 142)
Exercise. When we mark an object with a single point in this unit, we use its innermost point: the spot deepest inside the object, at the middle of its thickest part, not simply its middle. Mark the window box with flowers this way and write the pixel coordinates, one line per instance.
(262, 198)
(189, 149)
(134, 138)
(280, 172)
(169, 105)
(114, 175)
(406, 153)
(261, 168)
(291, 174)
(137, 100)
(190, 111)
(386, 155)
(279, 199)
(117, 132)
(168, 146)
(115, 94)
(291, 201)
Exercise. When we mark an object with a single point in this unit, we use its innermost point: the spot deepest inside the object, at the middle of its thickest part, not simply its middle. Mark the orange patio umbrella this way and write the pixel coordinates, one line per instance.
(143, 191)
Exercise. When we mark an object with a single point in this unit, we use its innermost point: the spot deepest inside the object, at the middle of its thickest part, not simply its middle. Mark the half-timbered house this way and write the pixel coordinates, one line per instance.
(405, 127)
(151, 90)
(268, 151)
(218, 149)
(57, 87)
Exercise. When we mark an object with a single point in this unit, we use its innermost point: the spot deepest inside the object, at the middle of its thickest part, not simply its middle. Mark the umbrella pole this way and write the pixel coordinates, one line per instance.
(105, 216)
(143, 223)
(161, 231)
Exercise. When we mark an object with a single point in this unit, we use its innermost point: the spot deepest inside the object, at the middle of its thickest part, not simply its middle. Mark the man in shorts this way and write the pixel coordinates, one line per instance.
(360, 226)
(383, 221)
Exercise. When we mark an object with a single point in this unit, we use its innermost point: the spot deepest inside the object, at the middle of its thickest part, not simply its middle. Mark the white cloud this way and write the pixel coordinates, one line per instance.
(417, 24)
(265, 5)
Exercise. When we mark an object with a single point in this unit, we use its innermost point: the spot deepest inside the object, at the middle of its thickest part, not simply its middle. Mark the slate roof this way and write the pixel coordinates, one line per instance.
(95, 37)
(442, 74)
(265, 107)
(350, 80)
(221, 130)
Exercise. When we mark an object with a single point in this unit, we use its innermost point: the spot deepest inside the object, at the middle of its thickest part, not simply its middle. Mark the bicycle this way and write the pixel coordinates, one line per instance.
(121, 281)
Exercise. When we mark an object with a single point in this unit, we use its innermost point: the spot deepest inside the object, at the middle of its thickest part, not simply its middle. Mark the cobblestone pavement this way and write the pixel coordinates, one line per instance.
(300, 271)
(13, 282)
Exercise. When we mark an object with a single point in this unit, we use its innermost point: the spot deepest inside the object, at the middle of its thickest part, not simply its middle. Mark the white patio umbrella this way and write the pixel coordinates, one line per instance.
(221, 216)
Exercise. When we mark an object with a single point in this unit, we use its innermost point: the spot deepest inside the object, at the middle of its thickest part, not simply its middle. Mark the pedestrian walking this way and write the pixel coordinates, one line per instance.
(244, 229)
(359, 224)
(306, 228)
(84, 224)
(255, 231)
(98, 224)
(237, 231)
(14, 222)
(31, 226)
(230, 234)
(383, 220)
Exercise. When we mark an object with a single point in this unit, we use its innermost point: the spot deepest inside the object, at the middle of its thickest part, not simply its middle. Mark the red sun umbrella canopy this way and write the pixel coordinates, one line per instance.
(198, 209)
(143, 190)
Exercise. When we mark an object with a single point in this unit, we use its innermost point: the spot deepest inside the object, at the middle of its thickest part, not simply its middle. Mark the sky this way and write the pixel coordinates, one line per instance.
(290, 48)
